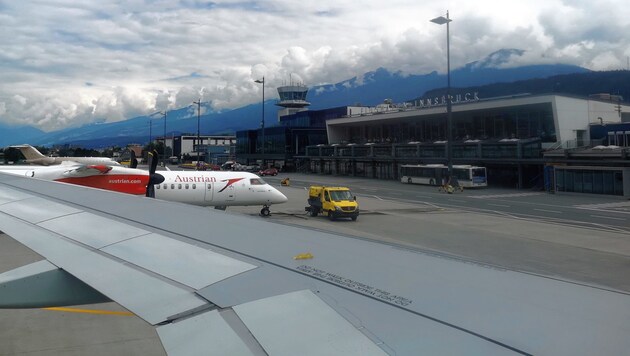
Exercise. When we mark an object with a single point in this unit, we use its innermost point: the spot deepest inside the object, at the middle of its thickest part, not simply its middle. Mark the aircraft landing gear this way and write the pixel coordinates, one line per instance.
(265, 211)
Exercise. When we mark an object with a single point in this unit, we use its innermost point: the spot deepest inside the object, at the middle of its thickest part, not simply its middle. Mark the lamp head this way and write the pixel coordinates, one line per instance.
(441, 20)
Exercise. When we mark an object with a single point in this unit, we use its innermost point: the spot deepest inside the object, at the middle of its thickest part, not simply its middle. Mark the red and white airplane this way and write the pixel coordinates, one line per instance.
(205, 188)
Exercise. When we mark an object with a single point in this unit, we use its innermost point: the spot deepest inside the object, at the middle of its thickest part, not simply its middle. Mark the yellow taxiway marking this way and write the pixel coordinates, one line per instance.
(91, 311)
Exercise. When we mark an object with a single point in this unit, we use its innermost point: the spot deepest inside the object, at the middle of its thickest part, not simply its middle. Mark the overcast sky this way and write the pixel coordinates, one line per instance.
(68, 62)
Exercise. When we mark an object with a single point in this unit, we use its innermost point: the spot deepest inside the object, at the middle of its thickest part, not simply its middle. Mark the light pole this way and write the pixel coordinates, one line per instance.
(164, 113)
(198, 102)
(449, 114)
(262, 123)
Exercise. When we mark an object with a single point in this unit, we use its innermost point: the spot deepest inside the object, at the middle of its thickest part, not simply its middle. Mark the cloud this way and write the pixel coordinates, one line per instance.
(70, 63)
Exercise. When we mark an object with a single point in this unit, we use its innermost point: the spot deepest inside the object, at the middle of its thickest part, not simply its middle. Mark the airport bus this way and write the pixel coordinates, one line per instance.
(434, 174)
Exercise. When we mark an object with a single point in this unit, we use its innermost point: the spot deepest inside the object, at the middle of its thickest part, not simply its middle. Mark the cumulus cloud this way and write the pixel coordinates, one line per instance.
(71, 63)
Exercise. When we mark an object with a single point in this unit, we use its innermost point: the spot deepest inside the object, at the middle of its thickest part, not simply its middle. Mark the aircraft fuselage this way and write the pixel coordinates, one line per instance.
(217, 188)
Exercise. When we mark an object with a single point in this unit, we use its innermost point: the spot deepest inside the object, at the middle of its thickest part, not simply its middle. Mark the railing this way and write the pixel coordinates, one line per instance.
(576, 143)
(529, 148)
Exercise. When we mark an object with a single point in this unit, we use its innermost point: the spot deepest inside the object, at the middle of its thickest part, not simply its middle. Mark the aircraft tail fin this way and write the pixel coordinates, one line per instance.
(29, 152)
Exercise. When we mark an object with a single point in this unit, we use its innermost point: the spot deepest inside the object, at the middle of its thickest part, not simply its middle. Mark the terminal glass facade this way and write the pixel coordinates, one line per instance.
(521, 122)
(593, 181)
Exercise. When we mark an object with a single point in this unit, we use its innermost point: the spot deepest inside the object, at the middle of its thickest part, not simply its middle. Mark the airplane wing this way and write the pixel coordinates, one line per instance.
(236, 285)
(87, 170)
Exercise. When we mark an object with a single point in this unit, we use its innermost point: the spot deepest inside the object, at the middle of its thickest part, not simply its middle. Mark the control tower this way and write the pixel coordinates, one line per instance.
(292, 99)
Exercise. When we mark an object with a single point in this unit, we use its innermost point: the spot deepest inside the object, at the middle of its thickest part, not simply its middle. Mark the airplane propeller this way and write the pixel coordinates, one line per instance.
(133, 161)
(154, 178)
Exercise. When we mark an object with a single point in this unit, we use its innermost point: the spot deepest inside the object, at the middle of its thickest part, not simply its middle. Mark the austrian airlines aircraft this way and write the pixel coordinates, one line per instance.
(205, 188)
(218, 188)
(33, 156)
(117, 178)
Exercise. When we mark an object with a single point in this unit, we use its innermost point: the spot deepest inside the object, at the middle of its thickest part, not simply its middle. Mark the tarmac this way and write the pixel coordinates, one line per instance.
(563, 252)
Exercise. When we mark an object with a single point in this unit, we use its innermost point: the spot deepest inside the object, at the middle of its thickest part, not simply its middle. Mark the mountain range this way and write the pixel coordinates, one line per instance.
(487, 76)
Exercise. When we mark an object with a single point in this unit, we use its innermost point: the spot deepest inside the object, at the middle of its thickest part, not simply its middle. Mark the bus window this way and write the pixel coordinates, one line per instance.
(432, 174)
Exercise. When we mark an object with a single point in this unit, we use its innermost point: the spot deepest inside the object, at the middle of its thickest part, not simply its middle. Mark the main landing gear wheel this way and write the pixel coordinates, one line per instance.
(265, 211)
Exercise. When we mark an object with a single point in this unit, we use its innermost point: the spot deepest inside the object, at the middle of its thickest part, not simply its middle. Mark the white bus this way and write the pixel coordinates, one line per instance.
(434, 174)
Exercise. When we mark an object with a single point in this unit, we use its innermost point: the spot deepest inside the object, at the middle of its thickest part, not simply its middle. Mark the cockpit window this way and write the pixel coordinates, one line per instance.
(256, 181)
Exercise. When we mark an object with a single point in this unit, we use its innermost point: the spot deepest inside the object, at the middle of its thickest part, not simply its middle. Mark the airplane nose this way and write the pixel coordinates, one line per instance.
(278, 197)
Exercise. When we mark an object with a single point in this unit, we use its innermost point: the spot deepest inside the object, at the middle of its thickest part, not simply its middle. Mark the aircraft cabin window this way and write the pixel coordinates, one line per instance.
(186, 186)
(256, 181)
(172, 186)
(179, 186)
(157, 186)
(194, 186)
(165, 186)
(209, 186)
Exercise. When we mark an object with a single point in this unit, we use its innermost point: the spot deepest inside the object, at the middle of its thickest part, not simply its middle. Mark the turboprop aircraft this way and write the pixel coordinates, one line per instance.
(211, 188)
(33, 156)
(117, 178)
(234, 285)
(204, 188)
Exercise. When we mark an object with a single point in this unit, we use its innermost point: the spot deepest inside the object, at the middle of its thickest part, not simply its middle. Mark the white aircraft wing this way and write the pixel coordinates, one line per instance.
(235, 285)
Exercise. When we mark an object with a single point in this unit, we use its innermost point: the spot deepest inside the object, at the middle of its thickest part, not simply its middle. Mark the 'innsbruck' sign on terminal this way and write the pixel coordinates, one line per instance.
(440, 101)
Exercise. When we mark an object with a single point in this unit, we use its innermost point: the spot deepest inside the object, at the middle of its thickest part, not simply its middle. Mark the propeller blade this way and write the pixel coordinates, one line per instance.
(150, 192)
(152, 161)
(133, 161)
(154, 178)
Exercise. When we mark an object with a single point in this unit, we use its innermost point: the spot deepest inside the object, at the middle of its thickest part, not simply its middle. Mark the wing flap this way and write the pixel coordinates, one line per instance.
(199, 268)
(36, 209)
(301, 323)
(92, 230)
(207, 331)
(296, 323)
(149, 297)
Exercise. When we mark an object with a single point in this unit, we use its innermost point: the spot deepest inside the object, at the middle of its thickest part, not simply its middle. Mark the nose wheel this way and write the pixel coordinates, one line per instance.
(265, 211)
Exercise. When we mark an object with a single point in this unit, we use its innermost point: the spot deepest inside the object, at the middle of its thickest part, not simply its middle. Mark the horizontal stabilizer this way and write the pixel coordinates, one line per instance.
(41, 285)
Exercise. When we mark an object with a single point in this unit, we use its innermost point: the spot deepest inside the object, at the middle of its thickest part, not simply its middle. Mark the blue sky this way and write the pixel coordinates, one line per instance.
(68, 63)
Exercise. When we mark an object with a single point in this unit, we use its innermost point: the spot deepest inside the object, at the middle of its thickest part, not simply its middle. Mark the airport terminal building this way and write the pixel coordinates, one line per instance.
(553, 141)
(560, 142)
